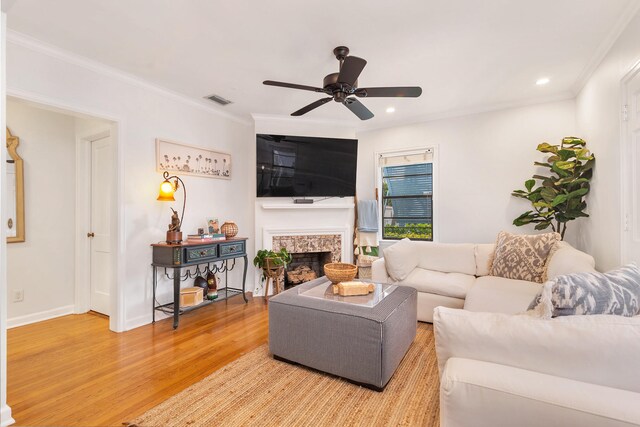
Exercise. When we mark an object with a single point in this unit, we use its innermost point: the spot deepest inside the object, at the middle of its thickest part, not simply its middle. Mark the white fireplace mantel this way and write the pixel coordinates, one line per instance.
(285, 206)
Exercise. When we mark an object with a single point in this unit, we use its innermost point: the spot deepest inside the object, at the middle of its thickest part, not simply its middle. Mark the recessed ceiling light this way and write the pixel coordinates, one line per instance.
(543, 81)
(390, 109)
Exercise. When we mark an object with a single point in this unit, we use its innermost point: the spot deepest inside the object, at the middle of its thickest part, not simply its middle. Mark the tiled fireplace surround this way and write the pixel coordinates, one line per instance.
(310, 243)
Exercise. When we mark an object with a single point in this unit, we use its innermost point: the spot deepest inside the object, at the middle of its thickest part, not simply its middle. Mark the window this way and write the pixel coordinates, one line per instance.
(407, 195)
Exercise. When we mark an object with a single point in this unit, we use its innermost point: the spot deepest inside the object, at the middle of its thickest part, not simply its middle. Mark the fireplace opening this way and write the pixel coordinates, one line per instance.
(305, 267)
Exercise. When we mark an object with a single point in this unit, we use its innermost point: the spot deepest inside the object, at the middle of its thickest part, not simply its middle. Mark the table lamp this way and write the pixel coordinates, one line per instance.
(167, 190)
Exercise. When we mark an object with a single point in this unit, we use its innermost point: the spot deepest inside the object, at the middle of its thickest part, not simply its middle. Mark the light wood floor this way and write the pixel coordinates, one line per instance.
(73, 371)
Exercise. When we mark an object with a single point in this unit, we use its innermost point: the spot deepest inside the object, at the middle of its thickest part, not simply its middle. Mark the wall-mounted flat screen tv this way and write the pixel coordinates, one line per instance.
(301, 166)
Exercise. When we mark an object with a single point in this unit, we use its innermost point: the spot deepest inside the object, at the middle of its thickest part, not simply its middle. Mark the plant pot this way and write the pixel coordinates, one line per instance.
(271, 264)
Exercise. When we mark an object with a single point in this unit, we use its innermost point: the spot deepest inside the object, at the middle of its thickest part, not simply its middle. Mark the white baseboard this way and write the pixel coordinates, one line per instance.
(39, 317)
(5, 416)
(138, 321)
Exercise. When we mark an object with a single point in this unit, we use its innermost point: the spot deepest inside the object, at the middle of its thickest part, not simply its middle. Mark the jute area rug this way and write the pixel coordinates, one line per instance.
(257, 390)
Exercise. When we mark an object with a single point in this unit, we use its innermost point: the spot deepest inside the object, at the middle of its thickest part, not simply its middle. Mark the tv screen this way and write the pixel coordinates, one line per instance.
(301, 166)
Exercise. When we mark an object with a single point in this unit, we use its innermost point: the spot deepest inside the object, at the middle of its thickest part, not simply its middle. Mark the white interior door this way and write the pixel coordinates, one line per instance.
(631, 177)
(102, 169)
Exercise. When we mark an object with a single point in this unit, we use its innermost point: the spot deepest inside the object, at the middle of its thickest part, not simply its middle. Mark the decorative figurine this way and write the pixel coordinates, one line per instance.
(175, 221)
(212, 283)
(174, 235)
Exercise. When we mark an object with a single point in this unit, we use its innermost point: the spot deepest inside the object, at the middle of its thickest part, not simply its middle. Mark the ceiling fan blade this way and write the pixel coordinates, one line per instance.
(292, 86)
(358, 108)
(312, 106)
(389, 92)
(351, 68)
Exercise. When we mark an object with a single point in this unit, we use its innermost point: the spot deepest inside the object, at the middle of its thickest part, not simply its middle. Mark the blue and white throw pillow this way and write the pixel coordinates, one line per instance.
(615, 292)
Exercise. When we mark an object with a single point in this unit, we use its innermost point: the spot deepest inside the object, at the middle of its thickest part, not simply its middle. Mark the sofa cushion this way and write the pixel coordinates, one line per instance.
(453, 285)
(567, 259)
(400, 259)
(597, 349)
(484, 255)
(500, 295)
(523, 257)
(446, 257)
(615, 292)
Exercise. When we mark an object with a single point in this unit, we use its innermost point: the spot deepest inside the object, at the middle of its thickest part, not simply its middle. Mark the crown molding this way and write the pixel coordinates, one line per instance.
(605, 46)
(426, 118)
(28, 42)
(471, 111)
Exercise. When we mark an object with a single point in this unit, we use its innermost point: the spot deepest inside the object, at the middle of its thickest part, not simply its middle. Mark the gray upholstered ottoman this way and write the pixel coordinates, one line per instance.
(362, 339)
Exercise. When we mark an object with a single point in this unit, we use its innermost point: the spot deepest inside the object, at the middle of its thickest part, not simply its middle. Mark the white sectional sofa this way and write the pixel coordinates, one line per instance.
(456, 276)
(499, 368)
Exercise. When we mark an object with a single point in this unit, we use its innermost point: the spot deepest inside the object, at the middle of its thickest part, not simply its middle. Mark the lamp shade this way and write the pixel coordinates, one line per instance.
(166, 192)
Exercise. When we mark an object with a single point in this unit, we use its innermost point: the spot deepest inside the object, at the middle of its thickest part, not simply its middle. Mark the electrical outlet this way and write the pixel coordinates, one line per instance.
(18, 296)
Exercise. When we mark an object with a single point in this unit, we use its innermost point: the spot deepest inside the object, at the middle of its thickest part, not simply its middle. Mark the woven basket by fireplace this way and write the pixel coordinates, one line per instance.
(340, 272)
(364, 266)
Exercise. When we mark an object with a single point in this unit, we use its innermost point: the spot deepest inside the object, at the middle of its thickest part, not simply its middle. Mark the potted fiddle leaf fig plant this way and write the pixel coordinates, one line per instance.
(271, 260)
(558, 197)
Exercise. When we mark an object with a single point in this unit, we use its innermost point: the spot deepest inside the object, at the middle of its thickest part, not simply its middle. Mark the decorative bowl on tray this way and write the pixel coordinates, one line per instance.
(340, 272)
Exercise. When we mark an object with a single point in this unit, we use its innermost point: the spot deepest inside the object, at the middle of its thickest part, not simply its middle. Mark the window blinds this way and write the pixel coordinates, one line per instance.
(408, 158)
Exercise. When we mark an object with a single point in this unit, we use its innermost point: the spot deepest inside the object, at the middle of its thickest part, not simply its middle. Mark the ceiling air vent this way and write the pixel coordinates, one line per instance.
(218, 99)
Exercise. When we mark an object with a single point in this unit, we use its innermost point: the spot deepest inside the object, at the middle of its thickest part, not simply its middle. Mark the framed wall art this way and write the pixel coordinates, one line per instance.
(189, 160)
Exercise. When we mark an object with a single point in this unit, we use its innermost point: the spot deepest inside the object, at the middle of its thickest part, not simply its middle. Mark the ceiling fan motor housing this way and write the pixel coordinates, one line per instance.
(339, 90)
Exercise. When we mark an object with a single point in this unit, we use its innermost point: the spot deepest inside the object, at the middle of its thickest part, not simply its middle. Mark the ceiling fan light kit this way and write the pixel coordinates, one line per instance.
(343, 87)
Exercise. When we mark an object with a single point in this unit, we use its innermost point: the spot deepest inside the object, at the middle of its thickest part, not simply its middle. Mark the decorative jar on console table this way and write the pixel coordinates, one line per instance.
(183, 261)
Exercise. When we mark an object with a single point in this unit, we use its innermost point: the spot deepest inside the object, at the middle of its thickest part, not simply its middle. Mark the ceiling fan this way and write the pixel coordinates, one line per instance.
(342, 85)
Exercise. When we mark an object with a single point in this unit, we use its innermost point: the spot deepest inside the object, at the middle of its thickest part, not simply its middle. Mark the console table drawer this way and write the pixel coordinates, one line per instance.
(201, 253)
(227, 249)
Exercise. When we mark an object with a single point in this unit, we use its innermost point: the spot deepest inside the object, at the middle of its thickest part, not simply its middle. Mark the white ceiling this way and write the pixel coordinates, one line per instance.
(467, 55)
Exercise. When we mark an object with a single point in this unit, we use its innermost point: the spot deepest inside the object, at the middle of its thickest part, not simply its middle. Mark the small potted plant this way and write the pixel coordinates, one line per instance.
(272, 265)
(269, 260)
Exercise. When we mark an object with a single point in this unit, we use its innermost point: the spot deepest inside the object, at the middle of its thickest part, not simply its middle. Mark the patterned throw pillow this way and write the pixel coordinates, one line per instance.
(615, 292)
(523, 257)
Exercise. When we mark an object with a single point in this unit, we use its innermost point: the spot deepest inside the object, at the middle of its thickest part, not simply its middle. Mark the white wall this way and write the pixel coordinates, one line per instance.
(143, 113)
(311, 216)
(598, 109)
(481, 159)
(43, 266)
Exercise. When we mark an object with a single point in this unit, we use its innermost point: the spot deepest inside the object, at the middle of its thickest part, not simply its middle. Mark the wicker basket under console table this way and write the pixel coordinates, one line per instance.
(219, 257)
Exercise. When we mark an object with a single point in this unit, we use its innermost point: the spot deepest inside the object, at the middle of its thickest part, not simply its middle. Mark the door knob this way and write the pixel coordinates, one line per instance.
(91, 235)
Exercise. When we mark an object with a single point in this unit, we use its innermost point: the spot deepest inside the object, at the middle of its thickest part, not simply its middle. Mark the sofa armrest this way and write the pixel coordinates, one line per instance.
(475, 393)
(567, 260)
(596, 349)
(379, 271)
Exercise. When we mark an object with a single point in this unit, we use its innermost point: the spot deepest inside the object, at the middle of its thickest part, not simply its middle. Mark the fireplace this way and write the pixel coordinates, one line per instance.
(310, 253)
(306, 266)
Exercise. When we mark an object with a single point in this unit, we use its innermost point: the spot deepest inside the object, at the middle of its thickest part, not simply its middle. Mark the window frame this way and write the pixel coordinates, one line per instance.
(434, 195)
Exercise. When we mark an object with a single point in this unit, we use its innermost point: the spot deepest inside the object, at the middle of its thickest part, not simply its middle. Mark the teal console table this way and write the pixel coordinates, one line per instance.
(180, 259)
